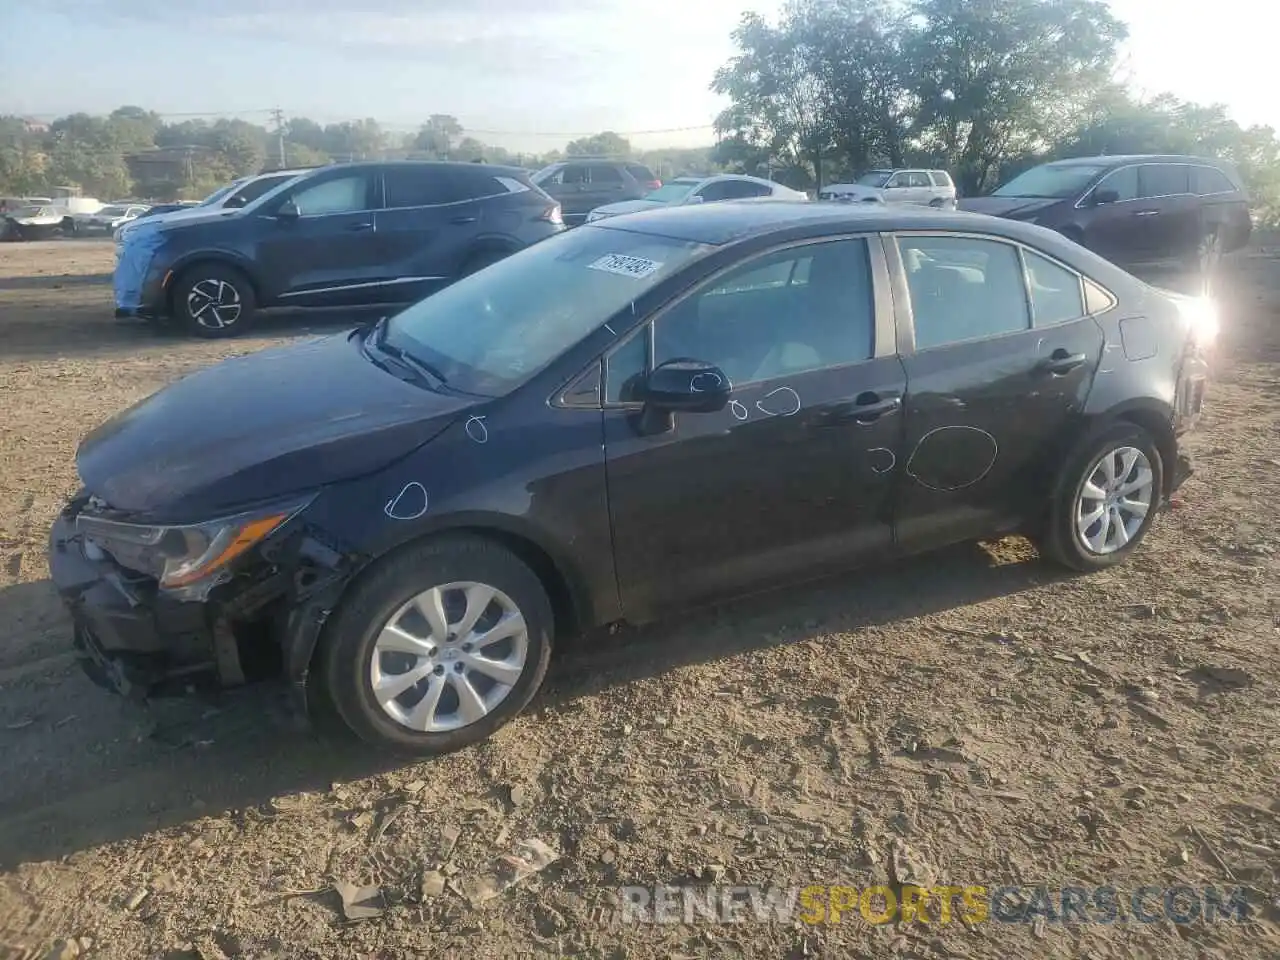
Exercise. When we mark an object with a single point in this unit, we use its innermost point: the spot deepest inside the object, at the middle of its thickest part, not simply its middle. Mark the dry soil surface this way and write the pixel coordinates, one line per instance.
(971, 718)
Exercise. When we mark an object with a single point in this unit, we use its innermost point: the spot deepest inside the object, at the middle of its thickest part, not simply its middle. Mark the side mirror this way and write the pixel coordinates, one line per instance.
(288, 211)
(1105, 196)
(686, 386)
(697, 198)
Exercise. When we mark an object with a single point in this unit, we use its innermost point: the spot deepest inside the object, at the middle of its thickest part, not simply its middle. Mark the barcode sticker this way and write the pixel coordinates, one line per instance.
(619, 263)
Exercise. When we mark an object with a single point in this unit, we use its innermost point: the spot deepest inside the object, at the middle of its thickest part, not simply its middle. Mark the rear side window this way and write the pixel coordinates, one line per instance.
(1206, 181)
(941, 178)
(572, 173)
(918, 179)
(423, 187)
(1162, 179)
(603, 174)
(1056, 294)
(963, 288)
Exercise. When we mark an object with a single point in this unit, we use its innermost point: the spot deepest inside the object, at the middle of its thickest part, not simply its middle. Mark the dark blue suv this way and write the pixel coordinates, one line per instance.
(344, 235)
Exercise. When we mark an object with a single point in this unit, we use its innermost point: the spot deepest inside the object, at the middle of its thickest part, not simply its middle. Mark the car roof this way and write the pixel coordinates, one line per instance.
(731, 221)
(1117, 160)
(493, 169)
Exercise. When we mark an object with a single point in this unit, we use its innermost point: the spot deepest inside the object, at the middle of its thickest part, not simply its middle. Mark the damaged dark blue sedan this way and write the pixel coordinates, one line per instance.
(616, 424)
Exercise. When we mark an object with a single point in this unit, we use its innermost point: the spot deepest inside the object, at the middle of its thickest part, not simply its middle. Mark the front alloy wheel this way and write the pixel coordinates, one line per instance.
(213, 301)
(437, 646)
(449, 657)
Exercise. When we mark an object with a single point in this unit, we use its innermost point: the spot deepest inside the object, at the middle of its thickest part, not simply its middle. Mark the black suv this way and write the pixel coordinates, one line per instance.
(344, 235)
(583, 183)
(1137, 211)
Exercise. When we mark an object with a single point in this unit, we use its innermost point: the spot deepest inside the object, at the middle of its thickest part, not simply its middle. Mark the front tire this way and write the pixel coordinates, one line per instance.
(213, 301)
(1105, 500)
(438, 647)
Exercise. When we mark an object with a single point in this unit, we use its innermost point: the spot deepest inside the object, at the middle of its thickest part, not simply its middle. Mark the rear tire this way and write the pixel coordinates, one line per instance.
(1105, 500)
(448, 663)
(213, 301)
(1207, 261)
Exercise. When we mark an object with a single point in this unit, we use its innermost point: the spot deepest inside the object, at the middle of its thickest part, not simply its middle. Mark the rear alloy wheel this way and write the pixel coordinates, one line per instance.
(1107, 499)
(213, 301)
(438, 648)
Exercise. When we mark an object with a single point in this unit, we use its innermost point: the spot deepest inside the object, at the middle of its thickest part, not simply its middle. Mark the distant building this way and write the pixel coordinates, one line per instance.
(35, 125)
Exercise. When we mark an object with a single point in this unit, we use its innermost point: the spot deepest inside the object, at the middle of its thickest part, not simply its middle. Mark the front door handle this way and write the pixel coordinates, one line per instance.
(461, 220)
(867, 408)
(1146, 213)
(358, 227)
(1060, 362)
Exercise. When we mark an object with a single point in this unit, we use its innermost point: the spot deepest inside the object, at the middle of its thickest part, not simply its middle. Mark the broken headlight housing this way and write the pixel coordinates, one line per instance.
(183, 556)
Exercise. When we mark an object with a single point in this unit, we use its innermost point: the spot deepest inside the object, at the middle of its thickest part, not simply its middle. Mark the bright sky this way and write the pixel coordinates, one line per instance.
(527, 74)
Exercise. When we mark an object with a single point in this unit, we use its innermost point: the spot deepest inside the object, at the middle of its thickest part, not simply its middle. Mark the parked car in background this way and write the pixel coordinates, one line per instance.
(685, 190)
(581, 184)
(232, 196)
(109, 218)
(1140, 212)
(402, 519)
(926, 188)
(72, 208)
(341, 235)
(158, 208)
(33, 223)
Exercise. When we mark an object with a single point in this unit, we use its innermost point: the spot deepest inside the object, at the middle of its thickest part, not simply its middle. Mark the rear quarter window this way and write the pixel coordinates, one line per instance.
(940, 178)
(1206, 181)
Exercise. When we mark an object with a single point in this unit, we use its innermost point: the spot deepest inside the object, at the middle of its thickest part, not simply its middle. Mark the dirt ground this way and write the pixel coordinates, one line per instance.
(1009, 725)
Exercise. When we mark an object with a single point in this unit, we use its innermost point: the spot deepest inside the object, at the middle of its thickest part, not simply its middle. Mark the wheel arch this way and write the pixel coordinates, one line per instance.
(488, 244)
(220, 257)
(1155, 417)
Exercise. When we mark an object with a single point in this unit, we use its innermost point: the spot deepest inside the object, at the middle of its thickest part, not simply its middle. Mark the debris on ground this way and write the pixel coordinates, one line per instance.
(527, 858)
(360, 903)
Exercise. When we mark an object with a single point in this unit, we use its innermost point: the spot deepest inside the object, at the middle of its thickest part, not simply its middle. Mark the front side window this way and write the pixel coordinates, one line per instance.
(672, 191)
(1055, 291)
(755, 325)
(339, 195)
(1118, 186)
(963, 288)
(491, 331)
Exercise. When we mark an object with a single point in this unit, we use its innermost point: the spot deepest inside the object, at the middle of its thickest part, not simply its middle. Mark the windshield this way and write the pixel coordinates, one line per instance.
(219, 194)
(671, 192)
(1051, 181)
(875, 178)
(111, 212)
(490, 332)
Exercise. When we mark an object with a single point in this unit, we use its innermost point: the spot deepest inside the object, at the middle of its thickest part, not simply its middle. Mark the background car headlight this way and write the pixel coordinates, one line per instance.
(181, 555)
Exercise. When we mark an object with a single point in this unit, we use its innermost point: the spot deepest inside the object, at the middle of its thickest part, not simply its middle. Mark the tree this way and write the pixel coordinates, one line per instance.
(1000, 77)
(436, 136)
(779, 101)
(606, 144)
(354, 140)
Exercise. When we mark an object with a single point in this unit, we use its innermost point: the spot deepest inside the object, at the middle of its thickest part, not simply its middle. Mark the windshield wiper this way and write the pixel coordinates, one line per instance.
(379, 336)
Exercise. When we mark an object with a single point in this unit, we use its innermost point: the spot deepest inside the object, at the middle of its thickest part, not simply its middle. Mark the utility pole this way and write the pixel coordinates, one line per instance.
(278, 116)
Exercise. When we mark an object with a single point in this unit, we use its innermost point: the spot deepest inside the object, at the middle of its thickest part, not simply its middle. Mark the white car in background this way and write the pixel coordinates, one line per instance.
(110, 217)
(926, 188)
(685, 190)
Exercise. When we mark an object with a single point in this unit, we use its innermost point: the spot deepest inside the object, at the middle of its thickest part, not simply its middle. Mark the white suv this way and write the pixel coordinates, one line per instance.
(928, 188)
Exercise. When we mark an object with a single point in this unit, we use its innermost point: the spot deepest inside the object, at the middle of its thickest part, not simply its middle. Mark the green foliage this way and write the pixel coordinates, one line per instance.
(985, 88)
(606, 144)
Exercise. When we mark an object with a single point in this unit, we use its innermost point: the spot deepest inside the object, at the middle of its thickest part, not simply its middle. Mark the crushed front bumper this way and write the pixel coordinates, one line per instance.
(129, 637)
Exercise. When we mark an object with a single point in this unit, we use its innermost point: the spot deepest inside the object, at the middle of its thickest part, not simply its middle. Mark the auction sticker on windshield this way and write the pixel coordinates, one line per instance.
(637, 267)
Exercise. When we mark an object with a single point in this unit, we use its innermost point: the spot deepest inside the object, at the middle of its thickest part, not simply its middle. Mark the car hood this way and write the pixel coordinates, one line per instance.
(253, 428)
(1013, 208)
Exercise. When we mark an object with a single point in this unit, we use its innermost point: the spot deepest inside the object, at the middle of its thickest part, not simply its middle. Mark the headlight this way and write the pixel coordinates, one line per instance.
(181, 556)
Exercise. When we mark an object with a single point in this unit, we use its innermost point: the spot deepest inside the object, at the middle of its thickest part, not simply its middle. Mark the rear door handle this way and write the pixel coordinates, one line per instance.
(358, 227)
(461, 220)
(1060, 362)
(867, 408)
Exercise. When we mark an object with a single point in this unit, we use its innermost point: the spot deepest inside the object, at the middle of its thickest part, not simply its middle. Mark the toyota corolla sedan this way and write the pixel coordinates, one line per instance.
(620, 423)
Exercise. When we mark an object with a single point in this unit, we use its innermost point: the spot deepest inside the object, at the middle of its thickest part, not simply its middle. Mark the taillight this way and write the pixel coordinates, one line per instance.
(552, 215)
(653, 185)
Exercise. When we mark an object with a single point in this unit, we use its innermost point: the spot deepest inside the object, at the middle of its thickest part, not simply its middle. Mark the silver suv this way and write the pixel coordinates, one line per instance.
(928, 188)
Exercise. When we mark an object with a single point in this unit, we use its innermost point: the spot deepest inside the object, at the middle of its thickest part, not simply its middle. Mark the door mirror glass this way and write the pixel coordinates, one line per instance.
(288, 211)
(1101, 197)
(686, 385)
